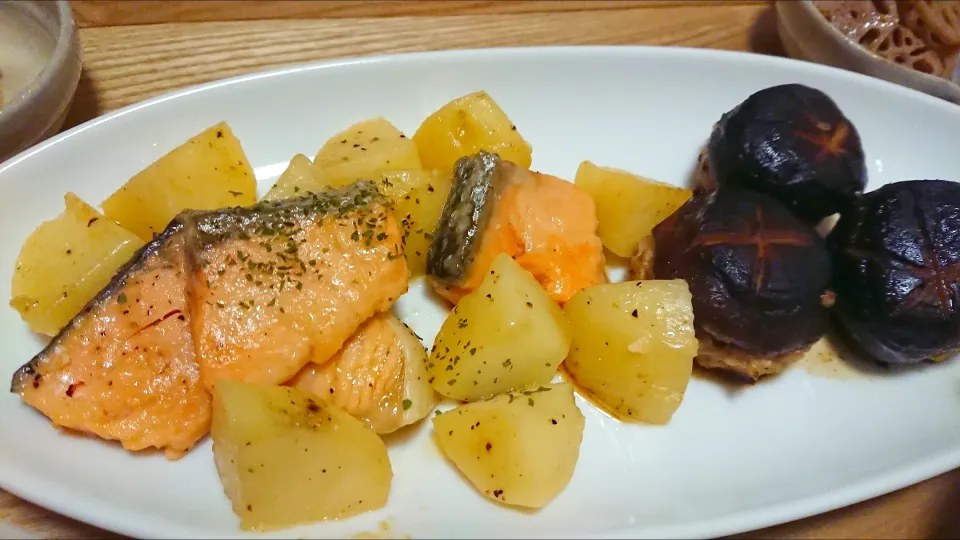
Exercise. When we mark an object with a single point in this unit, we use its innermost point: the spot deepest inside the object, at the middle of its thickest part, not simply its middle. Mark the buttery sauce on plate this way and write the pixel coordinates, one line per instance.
(385, 532)
(823, 360)
(589, 396)
(25, 47)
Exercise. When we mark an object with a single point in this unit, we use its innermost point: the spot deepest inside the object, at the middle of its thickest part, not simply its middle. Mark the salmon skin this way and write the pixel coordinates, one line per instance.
(124, 368)
(250, 293)
(477, 183)
(546, 224)
(284, 283)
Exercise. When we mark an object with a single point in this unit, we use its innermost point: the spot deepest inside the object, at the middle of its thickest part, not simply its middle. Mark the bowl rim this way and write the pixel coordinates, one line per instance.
(809, 6)
(62, 49)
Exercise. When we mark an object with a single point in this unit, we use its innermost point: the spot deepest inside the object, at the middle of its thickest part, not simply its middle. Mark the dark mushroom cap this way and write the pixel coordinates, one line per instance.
(897, 271)
(793, 143)
(757, 274)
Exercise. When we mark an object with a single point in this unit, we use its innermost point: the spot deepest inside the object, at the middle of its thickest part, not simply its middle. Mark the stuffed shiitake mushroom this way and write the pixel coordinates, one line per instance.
(793, 143)
(757, 274)
(896, 256)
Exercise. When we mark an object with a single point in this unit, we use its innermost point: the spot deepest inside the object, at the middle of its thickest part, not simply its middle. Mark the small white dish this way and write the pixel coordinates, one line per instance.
(807, 35)
(729, 461)
(39, 71)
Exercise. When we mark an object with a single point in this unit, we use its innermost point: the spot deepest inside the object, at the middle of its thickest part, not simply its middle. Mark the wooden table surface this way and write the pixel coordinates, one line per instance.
(133, 50)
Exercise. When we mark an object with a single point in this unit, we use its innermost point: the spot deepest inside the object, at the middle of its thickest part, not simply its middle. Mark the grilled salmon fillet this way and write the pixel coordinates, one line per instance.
(272, 293)
(548, 225)
(124, 368)
(250, 293)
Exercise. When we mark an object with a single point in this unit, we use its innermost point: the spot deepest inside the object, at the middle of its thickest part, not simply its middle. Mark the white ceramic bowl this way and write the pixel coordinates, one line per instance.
(38, 107)
(807, 35)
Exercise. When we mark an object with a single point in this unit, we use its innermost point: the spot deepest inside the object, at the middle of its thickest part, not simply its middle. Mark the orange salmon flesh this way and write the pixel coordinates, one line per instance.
(252, 294)
(125, 368)
(546, 224)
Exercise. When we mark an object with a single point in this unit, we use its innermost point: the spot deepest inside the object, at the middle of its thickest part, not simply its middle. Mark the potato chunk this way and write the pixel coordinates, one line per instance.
(208, 171)
(517, 449)
(628, 206)
(298, 179)
(65, 262)
(633, 346)
(505, 335)
(285, 457)
(379, 376)
(418, 197)
(364, 151)
(465, 126)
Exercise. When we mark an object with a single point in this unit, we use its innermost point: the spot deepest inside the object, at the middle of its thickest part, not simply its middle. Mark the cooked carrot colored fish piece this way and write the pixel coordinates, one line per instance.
(284, 283)
(124, 369)
(548, 225)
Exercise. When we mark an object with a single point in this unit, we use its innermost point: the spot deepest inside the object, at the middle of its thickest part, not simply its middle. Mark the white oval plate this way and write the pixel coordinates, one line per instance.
(728, 462)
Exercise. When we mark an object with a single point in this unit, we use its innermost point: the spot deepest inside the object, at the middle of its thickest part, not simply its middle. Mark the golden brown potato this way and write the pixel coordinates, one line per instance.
(286, 458)
(628, 206)
(465, 126)
(633, 346)
(518, 449)
(379, 376)
(65, 262)
(505, 335)
(206, 172)
(366, 150)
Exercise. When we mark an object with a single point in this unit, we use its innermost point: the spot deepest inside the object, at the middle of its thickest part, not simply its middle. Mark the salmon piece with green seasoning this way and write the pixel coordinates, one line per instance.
(124, 368)
(251, 294)
(285, 283)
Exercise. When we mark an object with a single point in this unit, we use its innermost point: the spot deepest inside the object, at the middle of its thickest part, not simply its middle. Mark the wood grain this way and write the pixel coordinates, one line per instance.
(130, 63)
(929, 510)
(92, 13)
(124, 64)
